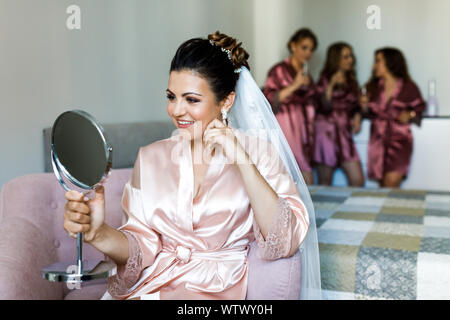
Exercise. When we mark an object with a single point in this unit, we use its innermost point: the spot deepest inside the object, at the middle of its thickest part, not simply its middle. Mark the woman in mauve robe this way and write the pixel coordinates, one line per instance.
(196, 248)
(296, 112)
(391, 140)
(334, 143)
(338, 117)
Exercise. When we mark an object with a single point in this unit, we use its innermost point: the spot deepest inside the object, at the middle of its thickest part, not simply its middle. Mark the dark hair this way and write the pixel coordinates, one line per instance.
(211, 63)
(334, 54)
(396, 64)
(301, 34)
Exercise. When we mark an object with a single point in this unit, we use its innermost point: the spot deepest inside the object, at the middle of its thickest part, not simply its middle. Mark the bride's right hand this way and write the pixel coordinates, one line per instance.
(84, 216)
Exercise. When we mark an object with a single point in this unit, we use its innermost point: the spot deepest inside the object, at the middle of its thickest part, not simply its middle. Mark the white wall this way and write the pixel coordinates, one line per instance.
(164, 25)
(115, 67)
(274, 23)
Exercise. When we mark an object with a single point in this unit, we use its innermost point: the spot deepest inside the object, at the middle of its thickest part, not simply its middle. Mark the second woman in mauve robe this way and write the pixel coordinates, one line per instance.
(291, 91)
(338, 117)
(394, 102)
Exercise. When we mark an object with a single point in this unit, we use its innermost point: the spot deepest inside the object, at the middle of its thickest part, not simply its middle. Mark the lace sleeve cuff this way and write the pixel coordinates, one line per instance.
(128, 274)
(278, 241)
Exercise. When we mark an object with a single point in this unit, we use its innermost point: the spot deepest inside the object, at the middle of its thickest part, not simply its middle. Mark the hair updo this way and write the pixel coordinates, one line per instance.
(205, 57)
(299, 35)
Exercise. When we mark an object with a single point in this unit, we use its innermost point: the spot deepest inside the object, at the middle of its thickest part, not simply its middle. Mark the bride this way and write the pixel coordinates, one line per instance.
(195, 201)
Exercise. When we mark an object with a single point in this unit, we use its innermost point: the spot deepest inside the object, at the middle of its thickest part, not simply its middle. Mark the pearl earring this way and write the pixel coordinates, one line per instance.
(224, 116)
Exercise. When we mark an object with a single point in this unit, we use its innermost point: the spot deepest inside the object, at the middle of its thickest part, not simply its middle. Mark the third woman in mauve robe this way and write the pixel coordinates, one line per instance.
(290, 90)
(393, 103)
(338, 117)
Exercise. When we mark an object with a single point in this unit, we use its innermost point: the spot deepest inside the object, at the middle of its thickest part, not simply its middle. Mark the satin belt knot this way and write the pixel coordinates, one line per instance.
(183, 254)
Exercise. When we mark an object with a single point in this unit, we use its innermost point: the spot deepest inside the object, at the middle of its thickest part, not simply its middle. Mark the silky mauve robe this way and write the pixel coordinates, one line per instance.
(183, 247)
(295, 114)
(391, 142)
(334, 141)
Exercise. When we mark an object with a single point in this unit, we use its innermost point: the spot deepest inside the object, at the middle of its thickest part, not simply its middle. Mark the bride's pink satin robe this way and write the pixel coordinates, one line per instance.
(196, 248)
(391, 142)
(334, 140)
(296, 114)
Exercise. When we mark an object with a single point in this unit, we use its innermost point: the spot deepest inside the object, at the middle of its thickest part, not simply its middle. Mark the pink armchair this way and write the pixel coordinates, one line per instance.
(32, 236)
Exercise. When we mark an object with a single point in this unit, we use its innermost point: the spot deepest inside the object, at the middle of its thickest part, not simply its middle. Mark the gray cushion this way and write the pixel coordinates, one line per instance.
(125, 138)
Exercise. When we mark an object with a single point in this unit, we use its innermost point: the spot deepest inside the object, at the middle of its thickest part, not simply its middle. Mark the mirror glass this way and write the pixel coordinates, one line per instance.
(80, 149)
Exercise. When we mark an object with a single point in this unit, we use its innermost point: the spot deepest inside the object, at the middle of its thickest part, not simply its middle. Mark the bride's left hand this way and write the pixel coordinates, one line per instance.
(219, 135)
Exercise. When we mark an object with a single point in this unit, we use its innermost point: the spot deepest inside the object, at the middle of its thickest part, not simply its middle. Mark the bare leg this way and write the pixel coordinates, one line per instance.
(353, 171)
(392, 180)
(325, 174)
(309, 177)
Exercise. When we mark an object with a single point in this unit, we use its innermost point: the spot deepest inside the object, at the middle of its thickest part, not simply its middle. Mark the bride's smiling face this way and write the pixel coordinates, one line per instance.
(191, 102)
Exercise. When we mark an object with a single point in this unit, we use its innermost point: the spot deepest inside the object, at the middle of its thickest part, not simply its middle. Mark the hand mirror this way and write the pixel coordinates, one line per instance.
(81, 154)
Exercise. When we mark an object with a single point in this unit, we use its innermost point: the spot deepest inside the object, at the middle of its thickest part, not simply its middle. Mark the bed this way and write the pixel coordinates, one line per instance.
(383, 243)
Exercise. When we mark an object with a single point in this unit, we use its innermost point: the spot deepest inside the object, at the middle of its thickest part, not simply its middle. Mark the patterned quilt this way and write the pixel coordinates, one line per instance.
(383, 243)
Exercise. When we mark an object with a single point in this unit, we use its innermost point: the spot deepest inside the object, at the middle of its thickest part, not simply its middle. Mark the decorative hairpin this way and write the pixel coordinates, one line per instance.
(228, 52)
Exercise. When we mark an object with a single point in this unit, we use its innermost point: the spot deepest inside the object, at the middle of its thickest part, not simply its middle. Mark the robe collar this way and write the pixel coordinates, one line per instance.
(394, 95)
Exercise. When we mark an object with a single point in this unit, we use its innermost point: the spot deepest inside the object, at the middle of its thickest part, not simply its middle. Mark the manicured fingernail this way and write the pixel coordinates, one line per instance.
(86, 199)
